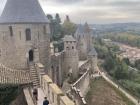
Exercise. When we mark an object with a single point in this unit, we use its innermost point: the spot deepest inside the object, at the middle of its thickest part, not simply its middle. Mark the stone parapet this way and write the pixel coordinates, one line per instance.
(50, 89)
(54, 93)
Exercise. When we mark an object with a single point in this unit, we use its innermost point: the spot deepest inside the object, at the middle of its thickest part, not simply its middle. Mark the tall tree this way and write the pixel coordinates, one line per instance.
(57, 18)
(68, 27)
(50, 17)
(67, 18)
(55, 26)
(57, 35)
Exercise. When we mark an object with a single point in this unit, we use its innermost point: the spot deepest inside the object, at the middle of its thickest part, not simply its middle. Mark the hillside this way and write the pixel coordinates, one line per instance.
(102, 29)
(102, 93)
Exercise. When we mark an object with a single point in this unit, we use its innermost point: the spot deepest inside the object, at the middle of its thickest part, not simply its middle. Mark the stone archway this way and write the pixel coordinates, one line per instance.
(31, 55)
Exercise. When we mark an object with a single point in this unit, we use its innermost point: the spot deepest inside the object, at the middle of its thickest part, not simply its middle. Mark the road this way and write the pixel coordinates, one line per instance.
(133, 99)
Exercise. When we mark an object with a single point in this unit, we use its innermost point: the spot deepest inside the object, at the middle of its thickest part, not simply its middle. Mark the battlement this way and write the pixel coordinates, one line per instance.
(48, 89)
(54, 93)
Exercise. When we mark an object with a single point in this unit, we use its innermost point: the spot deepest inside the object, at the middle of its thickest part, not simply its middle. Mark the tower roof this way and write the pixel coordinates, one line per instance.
(92, 52)
(23, 11)
(82, 29)
(68, 38)
(86, 28)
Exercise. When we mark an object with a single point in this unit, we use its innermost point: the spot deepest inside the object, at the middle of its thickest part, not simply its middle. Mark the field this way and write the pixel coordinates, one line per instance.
(102, 93)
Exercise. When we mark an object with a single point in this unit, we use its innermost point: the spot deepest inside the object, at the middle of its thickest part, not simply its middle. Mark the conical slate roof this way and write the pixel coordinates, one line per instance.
(82, 29)
(93, 52)
(23, 11)
(68, 38)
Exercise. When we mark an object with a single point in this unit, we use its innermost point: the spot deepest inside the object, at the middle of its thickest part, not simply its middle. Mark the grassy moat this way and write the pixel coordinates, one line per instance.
(102, 93)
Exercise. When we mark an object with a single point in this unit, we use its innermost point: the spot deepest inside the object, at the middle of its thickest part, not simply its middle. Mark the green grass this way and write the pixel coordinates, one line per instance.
(102, 91)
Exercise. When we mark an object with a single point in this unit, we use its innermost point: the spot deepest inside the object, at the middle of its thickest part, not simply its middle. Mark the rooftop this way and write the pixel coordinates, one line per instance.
(23, 11)
(93, 52)
(68, 38)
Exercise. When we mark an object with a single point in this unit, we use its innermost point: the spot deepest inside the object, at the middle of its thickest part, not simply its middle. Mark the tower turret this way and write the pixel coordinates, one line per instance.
(83, 36)
(92, 56)
(70, 56)
(24, 34)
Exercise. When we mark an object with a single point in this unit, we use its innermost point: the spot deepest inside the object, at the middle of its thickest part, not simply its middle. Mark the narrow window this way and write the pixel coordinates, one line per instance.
(72, 47)
(0, 52)
(67, 48)
(11, 30)
(28, 34)
(44, 29)
(20, 35)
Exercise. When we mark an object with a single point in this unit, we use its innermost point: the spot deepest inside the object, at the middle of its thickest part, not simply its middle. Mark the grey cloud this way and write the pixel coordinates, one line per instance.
(125, 3)
(66, 1)
(95, 11)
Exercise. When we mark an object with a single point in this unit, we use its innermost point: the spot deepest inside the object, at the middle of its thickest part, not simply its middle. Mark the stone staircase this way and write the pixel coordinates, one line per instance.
(34, 75)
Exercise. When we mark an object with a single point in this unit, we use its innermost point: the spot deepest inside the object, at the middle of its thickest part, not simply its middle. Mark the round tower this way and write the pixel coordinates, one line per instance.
(92, 56)
(83, 35)
(24, 34)
(70, 57)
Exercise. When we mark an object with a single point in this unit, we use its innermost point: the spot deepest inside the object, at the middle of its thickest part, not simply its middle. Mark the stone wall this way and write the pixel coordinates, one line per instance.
(56, 69)
(83, 83)
(80, 88)
(14, 49)
(51, 90)
(70, 63)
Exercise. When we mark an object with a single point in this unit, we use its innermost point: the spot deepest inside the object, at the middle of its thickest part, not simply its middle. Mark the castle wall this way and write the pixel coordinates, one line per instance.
(71, 63)
(83, 83)
(52, 91)
(82, 49)
(15, 48)
(56, 72)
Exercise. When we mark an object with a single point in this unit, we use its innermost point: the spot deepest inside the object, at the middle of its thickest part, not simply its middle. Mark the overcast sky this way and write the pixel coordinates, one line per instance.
(93, 11)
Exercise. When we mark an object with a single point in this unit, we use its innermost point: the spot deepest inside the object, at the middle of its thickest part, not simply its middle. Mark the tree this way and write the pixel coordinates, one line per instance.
(126, 60)
(137, 64)
(68, 27)
(121, 71)
(57, 18)
(67, 18)
(55, 26)
(50, 17)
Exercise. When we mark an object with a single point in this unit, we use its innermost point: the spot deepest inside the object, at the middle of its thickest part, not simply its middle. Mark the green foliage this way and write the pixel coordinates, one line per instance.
(132, 86)
(8, 94)
(57, 18)
(55, 27)
(137, 64)
(98, 91)
(59, 45)
(126, 60)
(58, 30)
(101, 49)
(68, 27)
(125, 37)
(121, 71)
(118, 69)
